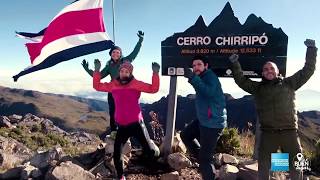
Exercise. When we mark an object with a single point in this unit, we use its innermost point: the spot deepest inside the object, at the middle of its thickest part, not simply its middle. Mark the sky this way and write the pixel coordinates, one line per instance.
(159, 20)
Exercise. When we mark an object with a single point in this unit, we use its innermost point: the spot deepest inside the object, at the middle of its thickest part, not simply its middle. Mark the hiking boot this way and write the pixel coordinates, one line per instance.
(106, 134)
(113, 135)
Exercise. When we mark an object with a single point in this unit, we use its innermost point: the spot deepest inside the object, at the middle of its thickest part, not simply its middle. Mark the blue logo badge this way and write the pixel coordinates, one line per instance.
(279, 161)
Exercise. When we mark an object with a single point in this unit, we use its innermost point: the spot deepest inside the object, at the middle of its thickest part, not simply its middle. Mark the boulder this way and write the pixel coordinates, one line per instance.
(177, 145)
(44, 159)
(178, 161)
(15, 118)
(30, 171)
(248, 170)
(12, 153)
(5, 122)
(68, 170)
(228, 172)
(170, 176)
(13, 173)
(229, 159)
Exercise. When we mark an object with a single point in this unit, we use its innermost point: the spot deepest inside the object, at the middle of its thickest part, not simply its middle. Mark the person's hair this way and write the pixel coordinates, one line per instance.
(114, 48)
(202, 58)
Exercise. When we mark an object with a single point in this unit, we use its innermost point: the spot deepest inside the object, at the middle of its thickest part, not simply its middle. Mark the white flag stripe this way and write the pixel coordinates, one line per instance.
(69, 42)
(34, 39)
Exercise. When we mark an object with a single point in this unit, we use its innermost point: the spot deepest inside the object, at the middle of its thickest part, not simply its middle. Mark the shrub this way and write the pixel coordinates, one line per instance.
(35, 139)
(4, 132)
(229, 141)
(247, 139)
(36, 128)
(315, 158)
(56, 139)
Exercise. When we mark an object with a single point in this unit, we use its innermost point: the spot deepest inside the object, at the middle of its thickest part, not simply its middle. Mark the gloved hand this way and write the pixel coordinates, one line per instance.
(85, 65)
(140, 34)
(311, 49)
(188, 73)
(155, 67)
(234, 58)
(97, 65)
(310, 43)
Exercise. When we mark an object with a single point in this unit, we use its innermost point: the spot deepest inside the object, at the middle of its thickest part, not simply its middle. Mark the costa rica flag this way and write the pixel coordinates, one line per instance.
(76, 30)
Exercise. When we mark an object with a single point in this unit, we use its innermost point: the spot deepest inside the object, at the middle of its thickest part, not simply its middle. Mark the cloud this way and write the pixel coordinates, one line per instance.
(50, 81)
(76, 81)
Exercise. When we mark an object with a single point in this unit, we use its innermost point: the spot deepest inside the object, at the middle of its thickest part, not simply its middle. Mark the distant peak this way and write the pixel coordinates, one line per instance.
(253, 20)
(227, 9)
(200, 21)
(199, 25)
(252, 16)
(225, 21)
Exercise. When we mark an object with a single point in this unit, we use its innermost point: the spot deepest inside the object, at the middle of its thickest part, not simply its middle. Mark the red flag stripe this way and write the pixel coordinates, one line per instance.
(68, 24)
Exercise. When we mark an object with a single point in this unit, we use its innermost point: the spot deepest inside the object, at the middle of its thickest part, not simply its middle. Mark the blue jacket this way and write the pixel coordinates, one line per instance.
(210, 100)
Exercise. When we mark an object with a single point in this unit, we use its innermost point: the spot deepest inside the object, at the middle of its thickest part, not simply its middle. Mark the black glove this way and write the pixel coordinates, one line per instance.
(140, 34)
(188, 73)
(85, 65)
(234, 58)
(310, 43)
(155, 67)
(311, 49)
(97, 65)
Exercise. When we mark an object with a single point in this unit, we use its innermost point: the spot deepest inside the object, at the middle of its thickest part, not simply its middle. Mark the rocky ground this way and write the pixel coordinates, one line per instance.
(34, 148)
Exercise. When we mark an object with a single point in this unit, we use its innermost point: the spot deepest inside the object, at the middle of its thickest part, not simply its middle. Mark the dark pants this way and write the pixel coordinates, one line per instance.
(288, 141)
(137, 130)
(194, 134)
(111, 104)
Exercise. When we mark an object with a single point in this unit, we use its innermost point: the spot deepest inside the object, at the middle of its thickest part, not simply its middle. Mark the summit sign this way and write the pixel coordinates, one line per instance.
(255, 41)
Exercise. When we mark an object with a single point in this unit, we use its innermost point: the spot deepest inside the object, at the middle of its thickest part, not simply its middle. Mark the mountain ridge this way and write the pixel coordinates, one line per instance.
(74, 113)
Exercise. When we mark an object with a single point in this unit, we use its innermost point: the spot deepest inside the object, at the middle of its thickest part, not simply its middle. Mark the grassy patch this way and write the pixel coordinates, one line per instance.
(34, 139)
(247, 139)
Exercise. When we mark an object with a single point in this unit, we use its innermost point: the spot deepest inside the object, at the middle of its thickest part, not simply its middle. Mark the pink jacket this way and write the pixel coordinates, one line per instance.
(126, 97)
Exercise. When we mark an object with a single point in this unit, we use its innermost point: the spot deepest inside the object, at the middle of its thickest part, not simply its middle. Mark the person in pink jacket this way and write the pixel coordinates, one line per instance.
(126, 91)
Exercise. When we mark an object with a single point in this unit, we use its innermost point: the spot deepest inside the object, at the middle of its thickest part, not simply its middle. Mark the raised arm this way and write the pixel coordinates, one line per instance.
(137, 48)
(97, 85)
(303, 75)
(154, 86)
(85, 65)
(104, 71)
(243, 82)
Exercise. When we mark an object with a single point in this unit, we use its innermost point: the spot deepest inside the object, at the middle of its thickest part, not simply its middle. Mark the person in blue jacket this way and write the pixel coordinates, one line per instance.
(201, 135)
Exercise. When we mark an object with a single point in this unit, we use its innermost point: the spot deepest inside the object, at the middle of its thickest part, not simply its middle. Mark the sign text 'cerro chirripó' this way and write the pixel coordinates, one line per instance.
(255, 41)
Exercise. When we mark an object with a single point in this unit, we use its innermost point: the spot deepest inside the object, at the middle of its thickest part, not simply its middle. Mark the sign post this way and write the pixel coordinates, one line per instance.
(171, 116)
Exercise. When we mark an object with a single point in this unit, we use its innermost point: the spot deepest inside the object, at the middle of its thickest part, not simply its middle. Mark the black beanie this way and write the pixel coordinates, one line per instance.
(113, 48)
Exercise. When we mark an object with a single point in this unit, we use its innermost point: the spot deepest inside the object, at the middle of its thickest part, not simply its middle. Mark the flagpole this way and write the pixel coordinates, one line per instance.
(113, 22)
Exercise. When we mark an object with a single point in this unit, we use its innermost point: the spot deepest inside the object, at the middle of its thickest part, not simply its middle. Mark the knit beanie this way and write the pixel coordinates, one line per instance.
(127, 65)
(114, 48)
